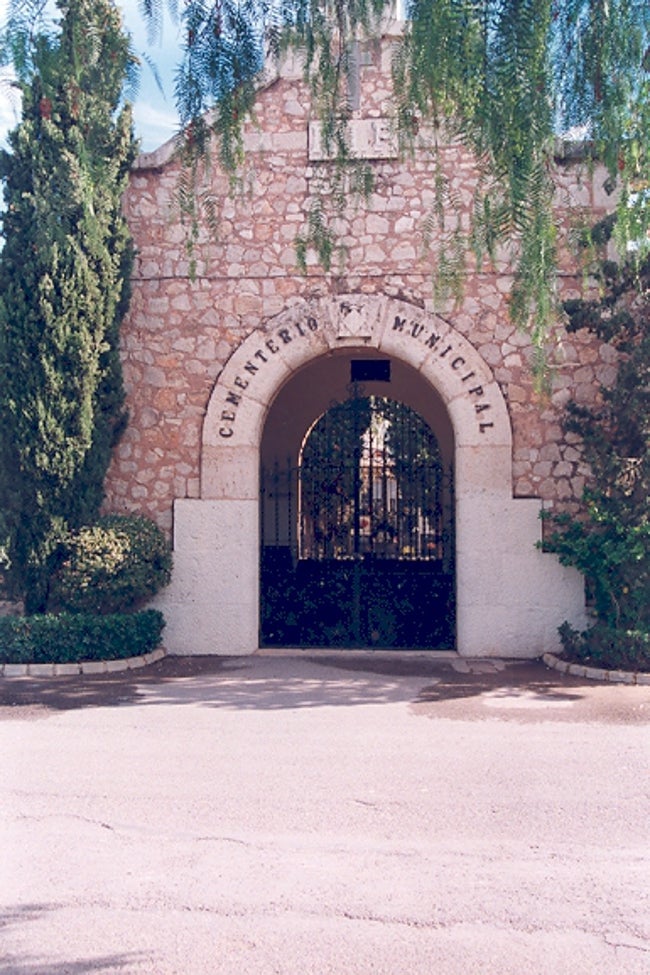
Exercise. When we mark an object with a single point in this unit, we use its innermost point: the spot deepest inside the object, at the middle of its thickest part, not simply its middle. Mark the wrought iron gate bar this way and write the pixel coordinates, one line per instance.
(357, 538)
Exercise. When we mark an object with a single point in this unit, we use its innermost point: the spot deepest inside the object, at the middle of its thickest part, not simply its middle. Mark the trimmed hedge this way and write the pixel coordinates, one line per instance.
(113, 566)
(604, 646)
(71, 637)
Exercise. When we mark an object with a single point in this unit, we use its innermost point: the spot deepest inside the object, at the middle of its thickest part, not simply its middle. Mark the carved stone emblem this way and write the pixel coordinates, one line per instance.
(353, 321)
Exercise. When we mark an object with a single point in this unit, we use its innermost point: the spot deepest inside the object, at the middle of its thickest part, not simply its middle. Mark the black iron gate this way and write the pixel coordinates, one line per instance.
(357, 538)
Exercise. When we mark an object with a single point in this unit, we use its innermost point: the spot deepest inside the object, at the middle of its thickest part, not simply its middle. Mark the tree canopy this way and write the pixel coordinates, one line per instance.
(64, 287)
(507, 77)
(611, 545)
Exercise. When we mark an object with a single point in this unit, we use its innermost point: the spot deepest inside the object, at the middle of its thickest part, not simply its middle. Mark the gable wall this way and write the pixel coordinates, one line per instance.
(181, 331)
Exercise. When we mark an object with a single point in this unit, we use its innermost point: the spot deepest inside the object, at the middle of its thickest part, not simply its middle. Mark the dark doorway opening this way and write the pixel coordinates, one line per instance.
(357, 536)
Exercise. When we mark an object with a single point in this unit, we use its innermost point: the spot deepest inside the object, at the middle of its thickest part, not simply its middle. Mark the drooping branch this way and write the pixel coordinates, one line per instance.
(504, 76)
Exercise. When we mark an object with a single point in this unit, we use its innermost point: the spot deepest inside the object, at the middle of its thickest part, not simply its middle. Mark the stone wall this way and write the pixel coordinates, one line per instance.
(183, 326)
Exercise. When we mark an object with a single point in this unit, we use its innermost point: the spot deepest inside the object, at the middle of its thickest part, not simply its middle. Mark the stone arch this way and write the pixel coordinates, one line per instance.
(510, 596)
(258, 368)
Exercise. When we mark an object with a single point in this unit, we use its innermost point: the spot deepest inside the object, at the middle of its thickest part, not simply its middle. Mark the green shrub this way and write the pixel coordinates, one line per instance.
(70, 637)
(112, 566)
(607, 646)
(608, 539)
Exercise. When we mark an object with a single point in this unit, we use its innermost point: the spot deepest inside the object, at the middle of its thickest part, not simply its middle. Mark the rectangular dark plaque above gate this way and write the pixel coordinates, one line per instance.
(370, 370)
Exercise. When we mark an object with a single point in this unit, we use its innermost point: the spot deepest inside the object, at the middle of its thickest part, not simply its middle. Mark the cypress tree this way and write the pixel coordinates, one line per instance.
(64, 288)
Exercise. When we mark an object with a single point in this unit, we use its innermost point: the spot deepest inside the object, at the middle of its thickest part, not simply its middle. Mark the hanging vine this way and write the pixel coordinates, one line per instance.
(504, 77)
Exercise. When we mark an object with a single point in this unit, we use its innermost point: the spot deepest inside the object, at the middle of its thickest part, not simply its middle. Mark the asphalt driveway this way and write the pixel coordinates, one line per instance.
(335, 814)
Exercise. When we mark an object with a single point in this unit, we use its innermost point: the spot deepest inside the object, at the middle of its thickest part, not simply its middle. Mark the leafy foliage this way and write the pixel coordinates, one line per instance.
(503, 76)
(68, 638)
(610, 542)
(64, 285)
(111, 566)
(608, 647)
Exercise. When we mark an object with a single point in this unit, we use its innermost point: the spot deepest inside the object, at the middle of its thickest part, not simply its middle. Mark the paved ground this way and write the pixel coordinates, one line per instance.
(326, 814)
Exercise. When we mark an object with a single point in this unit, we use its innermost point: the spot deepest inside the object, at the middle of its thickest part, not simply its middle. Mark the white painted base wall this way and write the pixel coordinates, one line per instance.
(510, 596)
(211, 604)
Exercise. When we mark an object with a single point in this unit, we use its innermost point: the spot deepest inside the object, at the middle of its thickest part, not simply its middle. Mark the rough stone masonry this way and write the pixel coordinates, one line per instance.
(192, 315)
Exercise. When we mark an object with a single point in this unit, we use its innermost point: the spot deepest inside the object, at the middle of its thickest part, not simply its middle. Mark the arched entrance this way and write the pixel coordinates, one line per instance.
(510, 597)
(357, 509)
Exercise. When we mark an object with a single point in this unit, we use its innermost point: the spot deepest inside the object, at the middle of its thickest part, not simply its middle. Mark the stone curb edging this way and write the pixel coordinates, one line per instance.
(135, 663)
(82, 666)
(595, 673)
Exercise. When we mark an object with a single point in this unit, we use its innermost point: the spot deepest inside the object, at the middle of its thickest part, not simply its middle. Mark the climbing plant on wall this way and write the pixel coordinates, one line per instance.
(609, 540)
(64, 285)
(503, 76)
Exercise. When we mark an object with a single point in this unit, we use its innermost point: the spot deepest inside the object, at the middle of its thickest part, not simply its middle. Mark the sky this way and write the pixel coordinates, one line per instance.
(155, 117)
